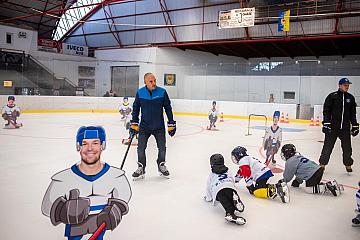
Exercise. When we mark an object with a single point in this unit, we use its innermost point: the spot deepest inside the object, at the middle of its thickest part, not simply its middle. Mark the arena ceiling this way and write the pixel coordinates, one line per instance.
(30, 13)
(320, 28)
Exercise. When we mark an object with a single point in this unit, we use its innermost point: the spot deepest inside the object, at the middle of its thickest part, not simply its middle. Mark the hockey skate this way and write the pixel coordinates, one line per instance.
(282, 191)
(163, 170)
(356, 221)
(13, 125)
(334, 187)
(139, 174)
(231, 217)
(238, 203)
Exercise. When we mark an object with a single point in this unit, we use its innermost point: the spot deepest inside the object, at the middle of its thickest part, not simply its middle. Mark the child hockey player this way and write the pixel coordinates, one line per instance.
(213, 116)
(126, 141)
(10, 113)
(272, 139)
(356, 220)
(256, 175)
(125, 108)
(221, 187)
(306, 170)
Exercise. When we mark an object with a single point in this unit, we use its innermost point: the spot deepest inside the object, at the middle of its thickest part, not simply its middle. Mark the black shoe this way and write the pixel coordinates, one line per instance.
(282, 191)
(295, 183)
(356, 221)
(348, 169)
(163, 170)
(139, 173)
(231, 217)
(332, 188)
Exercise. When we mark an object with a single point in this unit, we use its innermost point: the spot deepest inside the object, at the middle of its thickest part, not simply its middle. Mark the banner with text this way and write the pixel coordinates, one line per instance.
(243, 17)
(72, 49)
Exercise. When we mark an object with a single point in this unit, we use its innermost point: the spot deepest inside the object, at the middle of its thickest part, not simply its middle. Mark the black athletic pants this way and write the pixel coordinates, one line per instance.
(142, 144)
(315, 178)
(225, 197)
(330, 139)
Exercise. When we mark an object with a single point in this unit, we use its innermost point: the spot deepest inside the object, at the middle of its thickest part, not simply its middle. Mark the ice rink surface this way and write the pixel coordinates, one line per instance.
(171, 209)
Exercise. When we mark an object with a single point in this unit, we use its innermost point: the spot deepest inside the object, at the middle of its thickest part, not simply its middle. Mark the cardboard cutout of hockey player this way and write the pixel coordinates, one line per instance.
(91, 193)
(126, 141)
(10, 113)
(125, 109)
(272, 139)
(213, 116)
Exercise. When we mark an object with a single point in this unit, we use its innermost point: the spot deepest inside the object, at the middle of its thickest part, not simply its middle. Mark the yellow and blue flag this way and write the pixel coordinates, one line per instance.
(284, 21)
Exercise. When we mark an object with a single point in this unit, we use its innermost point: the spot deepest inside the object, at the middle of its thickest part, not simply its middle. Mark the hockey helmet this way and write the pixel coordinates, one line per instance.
(216, 159)
(217, 164)
(238, 153)
(90, 132)
(287, 151)
(276, 114)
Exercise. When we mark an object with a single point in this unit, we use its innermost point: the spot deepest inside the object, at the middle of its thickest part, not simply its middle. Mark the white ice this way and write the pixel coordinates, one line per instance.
(173, 209)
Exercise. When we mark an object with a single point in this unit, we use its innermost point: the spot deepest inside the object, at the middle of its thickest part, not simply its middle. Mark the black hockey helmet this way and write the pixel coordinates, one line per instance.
(11, 98)
(217, 164)
(238, 153)
(287, 151)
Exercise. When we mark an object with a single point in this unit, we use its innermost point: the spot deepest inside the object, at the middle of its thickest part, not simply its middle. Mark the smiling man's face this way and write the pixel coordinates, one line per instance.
(90, 151)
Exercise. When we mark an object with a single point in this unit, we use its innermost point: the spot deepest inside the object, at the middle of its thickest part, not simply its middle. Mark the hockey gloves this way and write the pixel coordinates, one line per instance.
(238, 178)
(326, 127)
(355, 130)
(251, 188)
(171, 128)
(112, 214)
(72, 211)
(134, 128)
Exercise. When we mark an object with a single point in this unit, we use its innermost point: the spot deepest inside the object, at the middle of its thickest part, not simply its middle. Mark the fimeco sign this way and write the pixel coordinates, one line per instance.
(73, 49)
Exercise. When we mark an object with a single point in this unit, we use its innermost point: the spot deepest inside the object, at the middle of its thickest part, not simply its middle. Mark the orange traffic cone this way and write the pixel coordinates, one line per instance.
(317, 121)
(287, 118)
(222, 117)
(282, 118)
(312, 122)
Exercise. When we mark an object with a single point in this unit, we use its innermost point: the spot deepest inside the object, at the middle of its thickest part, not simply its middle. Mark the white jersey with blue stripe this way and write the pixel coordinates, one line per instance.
(110, 182)
(217, 182)
(274, 135)
(9, 110)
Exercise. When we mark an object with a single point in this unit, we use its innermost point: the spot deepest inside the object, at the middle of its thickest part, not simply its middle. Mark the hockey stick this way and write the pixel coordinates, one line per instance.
(127, 150)
(98, 231)
(13, 123)
(103, 225)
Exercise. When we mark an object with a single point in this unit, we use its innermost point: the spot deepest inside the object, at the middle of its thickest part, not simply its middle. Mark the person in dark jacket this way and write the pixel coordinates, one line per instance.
(151, 100)
(339, 121)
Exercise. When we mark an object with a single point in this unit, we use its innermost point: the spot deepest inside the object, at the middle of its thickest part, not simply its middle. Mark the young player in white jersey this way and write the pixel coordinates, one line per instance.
(272, 139)
(306, 170)
(10, 113)
(125, 109)
(221, 187)
(356, 220)
(89, 193)
(256, 175)
(213, 116)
